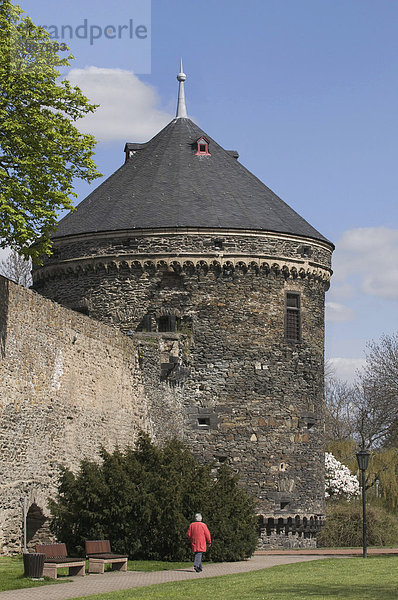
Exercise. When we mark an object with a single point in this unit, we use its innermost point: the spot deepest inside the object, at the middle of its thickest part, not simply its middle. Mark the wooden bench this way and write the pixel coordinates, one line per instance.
(99, 554)
(56, 557)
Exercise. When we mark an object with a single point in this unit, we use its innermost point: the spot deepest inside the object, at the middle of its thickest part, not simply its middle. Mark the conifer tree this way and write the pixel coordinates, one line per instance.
(143, 500)
(231, 518)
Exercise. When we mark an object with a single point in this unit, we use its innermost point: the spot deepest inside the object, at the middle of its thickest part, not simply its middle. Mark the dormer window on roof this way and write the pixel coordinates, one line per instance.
(202, 147)
(132, 148)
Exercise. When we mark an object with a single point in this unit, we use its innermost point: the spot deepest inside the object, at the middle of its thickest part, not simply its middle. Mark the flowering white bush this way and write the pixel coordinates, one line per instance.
(339, 481)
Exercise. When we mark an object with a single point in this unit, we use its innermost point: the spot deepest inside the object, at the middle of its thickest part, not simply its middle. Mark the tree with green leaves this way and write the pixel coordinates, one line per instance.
(41, 150)
(143, 500)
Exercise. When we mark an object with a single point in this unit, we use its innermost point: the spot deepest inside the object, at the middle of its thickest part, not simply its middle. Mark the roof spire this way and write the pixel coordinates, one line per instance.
(181, 108)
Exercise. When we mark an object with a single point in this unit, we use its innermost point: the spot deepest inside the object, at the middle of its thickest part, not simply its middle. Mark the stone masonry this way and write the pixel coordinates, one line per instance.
(69, 385)
(248, 396)
(185, 298)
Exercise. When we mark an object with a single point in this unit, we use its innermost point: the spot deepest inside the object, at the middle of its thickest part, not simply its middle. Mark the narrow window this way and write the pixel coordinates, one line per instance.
(167, 323)
(145, 323)
(292, 321)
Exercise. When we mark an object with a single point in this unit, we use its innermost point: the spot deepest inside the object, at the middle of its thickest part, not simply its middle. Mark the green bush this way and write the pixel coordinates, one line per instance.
(143, 500)
(343, 526)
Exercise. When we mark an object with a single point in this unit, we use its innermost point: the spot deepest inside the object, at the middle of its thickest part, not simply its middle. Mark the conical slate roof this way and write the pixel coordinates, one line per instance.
(167, 185)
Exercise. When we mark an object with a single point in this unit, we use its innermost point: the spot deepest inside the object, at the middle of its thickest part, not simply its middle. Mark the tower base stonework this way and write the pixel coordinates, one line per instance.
(288, 532)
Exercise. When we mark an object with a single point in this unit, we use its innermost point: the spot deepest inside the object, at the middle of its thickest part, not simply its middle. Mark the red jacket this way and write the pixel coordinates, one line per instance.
(198, 535)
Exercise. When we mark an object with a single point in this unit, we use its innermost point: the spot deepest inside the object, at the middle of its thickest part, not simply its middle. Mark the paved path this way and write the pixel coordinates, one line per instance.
(328, 552)
(110, 582)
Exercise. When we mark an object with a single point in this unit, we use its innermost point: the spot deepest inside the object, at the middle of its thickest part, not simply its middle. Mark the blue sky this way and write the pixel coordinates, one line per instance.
(305, 90)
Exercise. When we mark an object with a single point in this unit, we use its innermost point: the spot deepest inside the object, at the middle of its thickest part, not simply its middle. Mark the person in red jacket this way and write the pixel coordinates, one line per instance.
(198, 535)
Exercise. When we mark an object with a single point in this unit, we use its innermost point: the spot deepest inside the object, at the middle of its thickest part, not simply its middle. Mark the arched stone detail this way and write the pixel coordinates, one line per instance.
(161, 265)
(254, 267)
(215, 268)
(166, 311)
(225, 266)
(149, 266)
(298, 531)
(123, 265)
(285, 271)
(188, 267)
(228, 268)
(112, 267)
(202, 267)
(275, 269)
(97, 267)
(35, 521)
(176, 266)
(241, 268)
(136, 265)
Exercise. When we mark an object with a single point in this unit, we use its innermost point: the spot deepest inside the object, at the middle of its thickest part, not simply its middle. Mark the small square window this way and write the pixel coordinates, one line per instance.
(203, 422)
(284, 505)
(221, 459)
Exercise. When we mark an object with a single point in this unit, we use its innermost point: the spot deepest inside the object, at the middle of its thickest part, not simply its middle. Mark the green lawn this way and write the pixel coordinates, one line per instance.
(11, 572)
(374, 578)
(156, 565)
(11, 575)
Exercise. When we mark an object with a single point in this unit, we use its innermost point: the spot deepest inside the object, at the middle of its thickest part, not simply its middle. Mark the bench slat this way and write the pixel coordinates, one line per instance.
(52, 550)
(98, 546)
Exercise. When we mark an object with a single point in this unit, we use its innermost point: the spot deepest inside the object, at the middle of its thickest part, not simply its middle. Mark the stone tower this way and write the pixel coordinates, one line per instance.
(188, 252)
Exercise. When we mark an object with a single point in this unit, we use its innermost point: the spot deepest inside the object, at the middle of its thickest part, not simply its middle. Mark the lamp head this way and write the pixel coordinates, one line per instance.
(363, 459)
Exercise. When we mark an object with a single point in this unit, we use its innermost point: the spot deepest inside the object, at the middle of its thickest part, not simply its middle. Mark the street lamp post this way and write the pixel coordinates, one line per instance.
(363, 462)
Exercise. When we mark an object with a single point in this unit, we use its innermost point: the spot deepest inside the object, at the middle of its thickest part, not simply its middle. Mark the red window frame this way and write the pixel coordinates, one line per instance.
(202, 147)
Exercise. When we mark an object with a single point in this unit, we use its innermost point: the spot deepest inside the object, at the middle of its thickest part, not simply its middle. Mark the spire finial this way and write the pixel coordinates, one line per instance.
(181, 107)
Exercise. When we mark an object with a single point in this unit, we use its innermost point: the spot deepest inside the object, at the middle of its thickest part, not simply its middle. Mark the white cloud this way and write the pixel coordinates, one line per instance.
(129, 109)
(341, 292)
(346, 369)
(338, 313)
(4, 253)
(372, 254)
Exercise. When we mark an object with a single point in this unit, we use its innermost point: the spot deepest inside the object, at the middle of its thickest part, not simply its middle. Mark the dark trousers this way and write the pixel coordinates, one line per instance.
(198, 560)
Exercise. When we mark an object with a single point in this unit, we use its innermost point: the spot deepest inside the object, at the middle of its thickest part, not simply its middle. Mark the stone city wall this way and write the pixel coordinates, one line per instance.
(68, 384)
